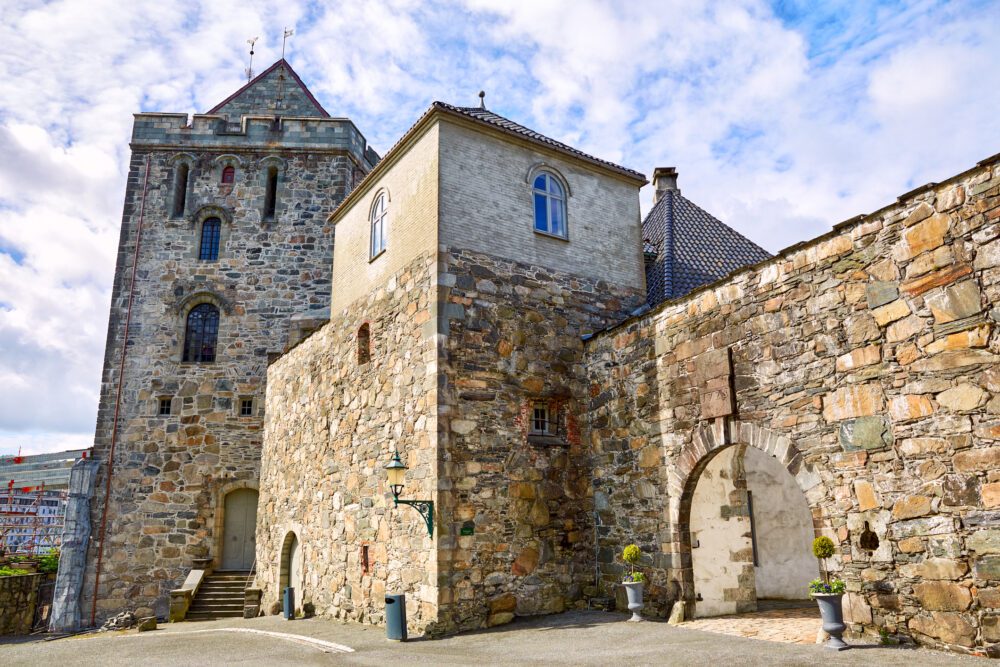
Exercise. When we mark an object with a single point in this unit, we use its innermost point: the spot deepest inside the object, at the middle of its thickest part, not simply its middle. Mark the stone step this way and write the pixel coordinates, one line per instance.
(216, 609)
(209, 606)
(233, 586)
(211, 615)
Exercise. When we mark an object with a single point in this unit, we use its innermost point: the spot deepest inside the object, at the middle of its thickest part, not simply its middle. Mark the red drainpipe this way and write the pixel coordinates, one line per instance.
(118, 399)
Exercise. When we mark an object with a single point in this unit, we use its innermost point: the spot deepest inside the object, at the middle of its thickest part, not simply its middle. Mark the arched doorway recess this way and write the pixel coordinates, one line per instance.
(290, 569)
(746, 506)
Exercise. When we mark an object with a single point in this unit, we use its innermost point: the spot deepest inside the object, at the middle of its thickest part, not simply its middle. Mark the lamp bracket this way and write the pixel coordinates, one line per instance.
(426, 509)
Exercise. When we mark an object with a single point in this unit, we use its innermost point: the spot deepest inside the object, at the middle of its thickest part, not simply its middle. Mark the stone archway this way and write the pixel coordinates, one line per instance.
(290, 568)
(706, 444)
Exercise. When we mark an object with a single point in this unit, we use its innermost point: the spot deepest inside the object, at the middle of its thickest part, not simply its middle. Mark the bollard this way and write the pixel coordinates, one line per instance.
(289, 603)
(395, 617)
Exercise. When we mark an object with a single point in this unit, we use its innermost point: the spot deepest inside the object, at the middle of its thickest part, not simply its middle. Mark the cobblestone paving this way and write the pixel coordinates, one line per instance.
(792, 626)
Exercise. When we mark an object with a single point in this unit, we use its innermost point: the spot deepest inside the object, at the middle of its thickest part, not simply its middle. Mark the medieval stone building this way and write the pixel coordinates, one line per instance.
(560, 377)
(225, 237)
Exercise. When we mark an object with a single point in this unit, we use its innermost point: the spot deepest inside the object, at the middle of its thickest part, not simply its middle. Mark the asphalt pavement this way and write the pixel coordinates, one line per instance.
(573, 638)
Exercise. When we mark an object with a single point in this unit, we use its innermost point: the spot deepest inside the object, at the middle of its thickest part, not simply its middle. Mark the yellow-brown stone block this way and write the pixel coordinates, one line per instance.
(867, 498)
(909, 407)
(863, 356)
(891, 312)
(990, 495)
(854, 401)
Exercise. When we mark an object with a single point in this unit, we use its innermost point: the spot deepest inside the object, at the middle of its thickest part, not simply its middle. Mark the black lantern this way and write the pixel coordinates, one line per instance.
(395, 472)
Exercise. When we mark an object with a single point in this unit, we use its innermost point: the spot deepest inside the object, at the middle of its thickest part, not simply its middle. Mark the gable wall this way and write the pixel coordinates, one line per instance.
(487, 206)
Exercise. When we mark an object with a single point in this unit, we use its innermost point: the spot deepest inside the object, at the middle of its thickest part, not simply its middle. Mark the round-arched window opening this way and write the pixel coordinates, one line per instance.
(229, 174)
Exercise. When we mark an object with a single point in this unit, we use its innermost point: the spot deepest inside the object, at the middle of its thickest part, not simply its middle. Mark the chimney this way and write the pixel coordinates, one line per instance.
(664, 178)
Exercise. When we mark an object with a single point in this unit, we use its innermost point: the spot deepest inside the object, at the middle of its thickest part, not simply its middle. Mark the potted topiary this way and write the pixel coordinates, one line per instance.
(829, 594)
(633, 581)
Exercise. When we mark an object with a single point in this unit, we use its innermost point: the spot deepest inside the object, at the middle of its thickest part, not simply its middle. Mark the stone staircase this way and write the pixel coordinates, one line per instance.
(219, 596)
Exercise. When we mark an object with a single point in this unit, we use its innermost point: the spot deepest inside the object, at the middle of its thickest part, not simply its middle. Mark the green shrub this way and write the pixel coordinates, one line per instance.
(834, 587)
(49, 563)
(10, 571)
(632, 554)
(823, 547)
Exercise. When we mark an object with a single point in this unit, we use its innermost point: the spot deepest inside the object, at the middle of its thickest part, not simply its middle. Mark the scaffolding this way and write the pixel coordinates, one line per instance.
(31, 520)
(33, 502)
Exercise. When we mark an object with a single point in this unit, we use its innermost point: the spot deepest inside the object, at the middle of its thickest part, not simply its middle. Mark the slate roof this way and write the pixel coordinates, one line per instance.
(298, 96)
(694, 248)
(496, 120)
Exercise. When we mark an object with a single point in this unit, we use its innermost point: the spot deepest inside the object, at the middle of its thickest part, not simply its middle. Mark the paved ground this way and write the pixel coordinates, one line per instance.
(575, 638)
(793, 624)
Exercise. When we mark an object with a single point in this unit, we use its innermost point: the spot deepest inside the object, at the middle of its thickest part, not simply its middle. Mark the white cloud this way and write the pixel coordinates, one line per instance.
(778, 128)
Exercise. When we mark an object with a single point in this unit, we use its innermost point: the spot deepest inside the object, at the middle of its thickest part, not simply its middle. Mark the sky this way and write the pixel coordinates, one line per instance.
(781, 118)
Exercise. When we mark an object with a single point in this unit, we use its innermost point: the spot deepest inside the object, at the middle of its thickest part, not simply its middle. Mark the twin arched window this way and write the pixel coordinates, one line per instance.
(378, 219)
(201, 333)
(550, 204)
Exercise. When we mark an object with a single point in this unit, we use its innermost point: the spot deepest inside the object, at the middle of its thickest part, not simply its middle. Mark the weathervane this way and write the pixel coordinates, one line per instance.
(288, 33)
(251, 42)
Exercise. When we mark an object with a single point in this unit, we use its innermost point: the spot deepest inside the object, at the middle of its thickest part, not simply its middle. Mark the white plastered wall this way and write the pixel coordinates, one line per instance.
(784, 529)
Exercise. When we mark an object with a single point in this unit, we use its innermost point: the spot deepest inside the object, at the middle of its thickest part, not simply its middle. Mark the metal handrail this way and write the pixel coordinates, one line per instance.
(253, 569)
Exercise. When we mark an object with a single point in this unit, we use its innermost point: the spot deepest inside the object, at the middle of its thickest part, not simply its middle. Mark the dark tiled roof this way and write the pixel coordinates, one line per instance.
(496, 120)
(254, 105)
(695, 248)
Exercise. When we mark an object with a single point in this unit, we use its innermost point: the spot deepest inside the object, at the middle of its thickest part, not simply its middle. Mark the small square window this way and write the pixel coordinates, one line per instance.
(165, 406)
(541, 420)
(246, 407)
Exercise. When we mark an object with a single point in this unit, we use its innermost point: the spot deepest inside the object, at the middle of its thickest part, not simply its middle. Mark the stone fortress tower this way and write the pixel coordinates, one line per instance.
(225, 241)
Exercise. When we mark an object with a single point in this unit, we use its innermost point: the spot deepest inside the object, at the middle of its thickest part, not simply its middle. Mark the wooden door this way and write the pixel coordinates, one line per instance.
(239, 532)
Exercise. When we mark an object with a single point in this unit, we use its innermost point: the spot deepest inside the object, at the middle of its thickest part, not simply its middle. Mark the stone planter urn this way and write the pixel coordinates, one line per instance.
(633, 591)
(832, 611)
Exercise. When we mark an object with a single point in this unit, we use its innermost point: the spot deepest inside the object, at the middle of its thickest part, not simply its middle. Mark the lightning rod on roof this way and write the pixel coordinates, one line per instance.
(249, 71)
(482, 99)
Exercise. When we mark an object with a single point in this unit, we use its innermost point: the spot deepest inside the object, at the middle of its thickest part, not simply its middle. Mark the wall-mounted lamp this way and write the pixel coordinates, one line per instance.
(395, 472)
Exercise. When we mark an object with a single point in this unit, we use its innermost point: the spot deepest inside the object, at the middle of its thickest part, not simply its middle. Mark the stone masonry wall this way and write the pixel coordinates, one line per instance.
(18, 597)
(172, 472)
(866, 362)
(516, 528)
(331, 428)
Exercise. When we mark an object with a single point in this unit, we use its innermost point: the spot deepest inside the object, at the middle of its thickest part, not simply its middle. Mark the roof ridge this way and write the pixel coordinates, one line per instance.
(505, 124)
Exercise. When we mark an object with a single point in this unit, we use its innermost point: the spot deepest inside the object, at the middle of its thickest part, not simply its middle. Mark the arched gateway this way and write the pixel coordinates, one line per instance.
(735, 545)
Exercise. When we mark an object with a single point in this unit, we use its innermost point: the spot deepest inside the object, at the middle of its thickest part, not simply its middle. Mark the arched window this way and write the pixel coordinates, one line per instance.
(180, 190)
(201, 333)
(229, 174)
(211, 228)
(550, 205)
(378, 219)
(364, 344)
(271, 193)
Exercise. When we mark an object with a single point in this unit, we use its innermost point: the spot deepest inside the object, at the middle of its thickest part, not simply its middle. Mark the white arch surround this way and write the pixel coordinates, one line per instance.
(707, 441)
